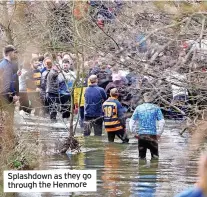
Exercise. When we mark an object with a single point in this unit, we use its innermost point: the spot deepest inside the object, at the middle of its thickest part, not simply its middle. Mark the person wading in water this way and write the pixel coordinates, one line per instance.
(145, 117)
(114, 119)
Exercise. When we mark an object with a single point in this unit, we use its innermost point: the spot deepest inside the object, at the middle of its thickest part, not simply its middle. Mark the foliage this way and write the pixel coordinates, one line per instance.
(73, 26)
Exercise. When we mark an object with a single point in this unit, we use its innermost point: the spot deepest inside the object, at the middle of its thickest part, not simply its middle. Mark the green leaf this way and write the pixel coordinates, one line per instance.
(17, 164)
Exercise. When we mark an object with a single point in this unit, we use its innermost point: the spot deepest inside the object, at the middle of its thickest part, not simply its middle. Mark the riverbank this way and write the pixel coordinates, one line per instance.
(119, 172)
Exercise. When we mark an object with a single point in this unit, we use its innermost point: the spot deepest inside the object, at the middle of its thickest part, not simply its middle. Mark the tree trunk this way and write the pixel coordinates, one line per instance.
(6, 25)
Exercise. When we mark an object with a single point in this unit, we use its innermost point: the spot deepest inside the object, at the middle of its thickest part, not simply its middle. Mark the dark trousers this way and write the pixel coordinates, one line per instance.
(95, 122)
(36, 102)
(65, 105)
(148, 142)
(81, 112)
(45, 103)
(120, 134)
(54, 100)
(24, 102)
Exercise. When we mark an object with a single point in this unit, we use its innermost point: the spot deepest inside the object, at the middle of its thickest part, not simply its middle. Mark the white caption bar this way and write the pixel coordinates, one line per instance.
(50, 181)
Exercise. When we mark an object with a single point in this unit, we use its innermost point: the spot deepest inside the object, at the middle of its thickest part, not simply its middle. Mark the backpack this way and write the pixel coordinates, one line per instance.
(44, 82)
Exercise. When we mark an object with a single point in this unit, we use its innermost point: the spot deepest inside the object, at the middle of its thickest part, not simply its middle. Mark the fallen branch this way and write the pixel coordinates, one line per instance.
(159, 29)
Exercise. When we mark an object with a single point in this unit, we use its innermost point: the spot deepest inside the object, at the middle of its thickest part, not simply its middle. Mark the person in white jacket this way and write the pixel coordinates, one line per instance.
(23, 96)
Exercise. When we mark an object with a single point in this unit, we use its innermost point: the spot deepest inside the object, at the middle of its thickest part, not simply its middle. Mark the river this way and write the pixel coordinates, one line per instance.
(119, 171)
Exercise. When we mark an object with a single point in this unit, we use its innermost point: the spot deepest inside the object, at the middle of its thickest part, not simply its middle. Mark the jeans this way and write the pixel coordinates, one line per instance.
(95, 122)
(148, 142)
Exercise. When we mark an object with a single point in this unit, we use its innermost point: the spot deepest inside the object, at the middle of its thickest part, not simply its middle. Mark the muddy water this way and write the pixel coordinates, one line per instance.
(119, 172)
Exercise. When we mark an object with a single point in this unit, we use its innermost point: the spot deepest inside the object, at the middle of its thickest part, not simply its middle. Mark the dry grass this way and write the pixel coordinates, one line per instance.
(15, 153)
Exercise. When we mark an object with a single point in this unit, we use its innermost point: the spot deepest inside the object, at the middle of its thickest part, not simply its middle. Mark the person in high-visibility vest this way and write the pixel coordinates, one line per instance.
(79, 102)
(114, 121)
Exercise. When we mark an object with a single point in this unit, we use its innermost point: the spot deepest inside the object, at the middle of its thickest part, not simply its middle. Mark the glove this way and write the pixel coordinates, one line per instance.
(15, 98)
(76, 111)
(19, 72)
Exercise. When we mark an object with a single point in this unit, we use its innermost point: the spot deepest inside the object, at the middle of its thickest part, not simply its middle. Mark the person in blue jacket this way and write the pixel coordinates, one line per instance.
(200, 189)
(9, 84)
(66, 79)
(148, 122)
(9, 94)
(93, 115)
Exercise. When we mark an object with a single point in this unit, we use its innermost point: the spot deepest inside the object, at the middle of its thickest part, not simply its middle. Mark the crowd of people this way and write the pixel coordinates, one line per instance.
(44, 85)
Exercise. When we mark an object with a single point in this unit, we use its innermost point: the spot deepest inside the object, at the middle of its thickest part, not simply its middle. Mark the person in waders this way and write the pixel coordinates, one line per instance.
(114, 120)
(145, 118)
(93, 113)
(200, 189)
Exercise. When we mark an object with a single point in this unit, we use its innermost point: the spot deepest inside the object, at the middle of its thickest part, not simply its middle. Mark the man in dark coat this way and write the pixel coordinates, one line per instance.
(94, 98)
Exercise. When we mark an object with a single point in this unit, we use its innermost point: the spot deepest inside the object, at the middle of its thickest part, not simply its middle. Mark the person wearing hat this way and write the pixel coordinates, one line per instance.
(93, 115)
(143, 122)
(118, 82)
(114, 121)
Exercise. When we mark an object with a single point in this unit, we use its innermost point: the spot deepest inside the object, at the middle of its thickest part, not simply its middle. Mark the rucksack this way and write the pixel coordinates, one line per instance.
(43, 83)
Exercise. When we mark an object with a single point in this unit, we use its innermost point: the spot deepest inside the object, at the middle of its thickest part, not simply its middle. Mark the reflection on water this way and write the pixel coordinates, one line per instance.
(112, 172)
(121, 173)
(146, 179)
